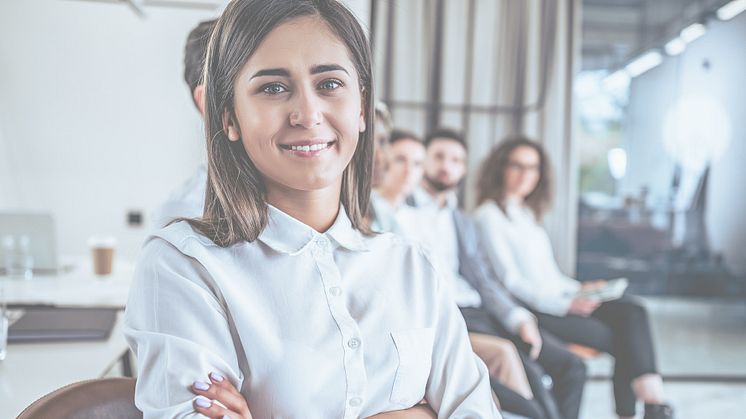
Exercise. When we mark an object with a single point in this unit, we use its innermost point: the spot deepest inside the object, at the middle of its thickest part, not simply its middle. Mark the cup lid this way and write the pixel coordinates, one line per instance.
(102, 241)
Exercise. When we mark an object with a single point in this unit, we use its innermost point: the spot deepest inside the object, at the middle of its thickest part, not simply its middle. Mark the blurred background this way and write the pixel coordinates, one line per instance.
(638, 102)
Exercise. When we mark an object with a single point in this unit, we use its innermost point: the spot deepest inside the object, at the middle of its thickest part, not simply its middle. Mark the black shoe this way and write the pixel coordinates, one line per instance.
(658, 411)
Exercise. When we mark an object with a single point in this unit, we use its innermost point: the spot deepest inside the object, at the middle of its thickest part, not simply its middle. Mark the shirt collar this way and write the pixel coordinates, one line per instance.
(422, 198)
(285, 234)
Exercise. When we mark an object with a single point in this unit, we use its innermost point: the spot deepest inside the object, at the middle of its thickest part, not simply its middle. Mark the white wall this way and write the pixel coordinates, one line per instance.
(95, 117)
(8, 195)
(656, 91)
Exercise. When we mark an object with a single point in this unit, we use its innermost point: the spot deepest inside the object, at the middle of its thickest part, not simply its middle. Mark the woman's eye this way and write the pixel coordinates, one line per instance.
(273, 89)
(330, 84)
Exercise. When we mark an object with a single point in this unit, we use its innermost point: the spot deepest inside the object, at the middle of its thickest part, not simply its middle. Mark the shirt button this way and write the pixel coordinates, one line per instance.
(321, 242)
(356, 401)
(353, 343)
(335, 291)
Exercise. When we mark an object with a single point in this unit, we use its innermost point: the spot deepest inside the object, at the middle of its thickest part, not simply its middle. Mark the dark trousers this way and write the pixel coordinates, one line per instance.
(559, 400)
(619, 328)
(512, 402)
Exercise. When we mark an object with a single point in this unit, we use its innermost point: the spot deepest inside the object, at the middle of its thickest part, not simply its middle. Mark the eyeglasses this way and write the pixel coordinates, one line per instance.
(517, 166)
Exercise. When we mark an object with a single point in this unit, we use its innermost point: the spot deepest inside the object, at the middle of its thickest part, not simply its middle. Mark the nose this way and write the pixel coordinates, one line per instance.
(306, 111)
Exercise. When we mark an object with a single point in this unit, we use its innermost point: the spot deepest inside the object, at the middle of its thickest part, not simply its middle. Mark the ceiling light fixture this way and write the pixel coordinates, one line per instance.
(675, 46)
(692, 32)
(731, 10)
(643, 63)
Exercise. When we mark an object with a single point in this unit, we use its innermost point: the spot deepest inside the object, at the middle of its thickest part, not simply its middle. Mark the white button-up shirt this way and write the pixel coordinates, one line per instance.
(306, 325)
(521, 253)
(435, 227)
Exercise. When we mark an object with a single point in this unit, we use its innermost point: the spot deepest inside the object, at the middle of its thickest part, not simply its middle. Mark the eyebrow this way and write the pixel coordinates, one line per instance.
(321, 68)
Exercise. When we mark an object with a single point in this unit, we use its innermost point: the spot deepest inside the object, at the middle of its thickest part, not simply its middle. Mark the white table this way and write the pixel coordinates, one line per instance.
(77, 288)
(32, 370)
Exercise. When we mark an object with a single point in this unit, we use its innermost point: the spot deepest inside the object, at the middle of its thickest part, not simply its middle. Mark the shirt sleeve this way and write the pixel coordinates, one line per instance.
(547, 299)
(459, 385)
(178, 331)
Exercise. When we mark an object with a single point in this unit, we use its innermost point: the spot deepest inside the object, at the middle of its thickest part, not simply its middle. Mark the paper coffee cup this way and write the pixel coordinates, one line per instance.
(102, 252)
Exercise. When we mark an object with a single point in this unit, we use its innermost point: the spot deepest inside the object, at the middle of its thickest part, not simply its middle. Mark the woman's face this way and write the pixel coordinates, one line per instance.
(298, 107)
(522, 172)
(405, 165)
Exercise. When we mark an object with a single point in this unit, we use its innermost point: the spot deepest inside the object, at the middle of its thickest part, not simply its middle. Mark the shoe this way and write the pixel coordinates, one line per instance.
(658, 411)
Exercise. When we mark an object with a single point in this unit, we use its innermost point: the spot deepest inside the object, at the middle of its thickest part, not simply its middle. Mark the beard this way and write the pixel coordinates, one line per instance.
(439, 186)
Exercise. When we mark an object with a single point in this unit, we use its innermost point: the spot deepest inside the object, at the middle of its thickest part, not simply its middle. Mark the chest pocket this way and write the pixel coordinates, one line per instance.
(415, 350)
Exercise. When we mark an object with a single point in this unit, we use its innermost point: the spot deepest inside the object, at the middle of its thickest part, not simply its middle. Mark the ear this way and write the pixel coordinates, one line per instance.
(199, 98)
(361, 123)
(230, 126)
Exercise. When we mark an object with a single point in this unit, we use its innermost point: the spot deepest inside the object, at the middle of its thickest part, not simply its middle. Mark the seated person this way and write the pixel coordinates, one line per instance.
(485, 304)
(514, 192)
(279, 288)
(189, 199)
(405, 155)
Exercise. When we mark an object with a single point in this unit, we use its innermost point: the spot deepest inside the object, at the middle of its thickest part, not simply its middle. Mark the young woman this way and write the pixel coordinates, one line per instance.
(277, 290)
(514, 192)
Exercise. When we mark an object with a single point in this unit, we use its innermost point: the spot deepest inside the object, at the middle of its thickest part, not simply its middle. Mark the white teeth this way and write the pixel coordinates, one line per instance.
(306, 148)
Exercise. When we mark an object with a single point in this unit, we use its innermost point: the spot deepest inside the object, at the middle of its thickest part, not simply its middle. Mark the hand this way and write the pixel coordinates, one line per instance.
(528, 331)
(421, 411)
(219, 389)
(583, 307)
(593, 285)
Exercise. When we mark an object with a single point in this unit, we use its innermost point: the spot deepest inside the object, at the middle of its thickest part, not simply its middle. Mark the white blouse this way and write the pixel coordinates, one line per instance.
(521, 254)
(306, 325)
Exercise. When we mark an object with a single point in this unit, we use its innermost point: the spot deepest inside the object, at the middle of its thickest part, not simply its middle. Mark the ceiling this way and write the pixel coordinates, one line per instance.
(616, 30)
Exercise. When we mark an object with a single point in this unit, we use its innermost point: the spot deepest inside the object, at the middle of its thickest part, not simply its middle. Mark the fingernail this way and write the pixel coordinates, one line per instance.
(203, 402)
(226, 417)
(201, 385)
(217, 377)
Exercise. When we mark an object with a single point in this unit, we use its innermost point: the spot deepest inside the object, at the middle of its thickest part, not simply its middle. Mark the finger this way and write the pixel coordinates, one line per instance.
(219, 380)
(230, 399)
(211, 409)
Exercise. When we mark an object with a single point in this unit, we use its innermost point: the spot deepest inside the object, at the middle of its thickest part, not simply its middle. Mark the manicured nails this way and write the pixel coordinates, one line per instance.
(201, 385)
(216, 377)
(202, 402)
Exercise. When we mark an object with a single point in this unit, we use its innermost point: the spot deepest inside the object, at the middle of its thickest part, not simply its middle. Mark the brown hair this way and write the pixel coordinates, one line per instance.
(194, 53)
(400, 135)
(235, 200)
(491, 183)
(445, 133)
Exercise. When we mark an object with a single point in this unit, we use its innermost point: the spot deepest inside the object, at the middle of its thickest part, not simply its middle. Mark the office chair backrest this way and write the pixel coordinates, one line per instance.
(103, 398)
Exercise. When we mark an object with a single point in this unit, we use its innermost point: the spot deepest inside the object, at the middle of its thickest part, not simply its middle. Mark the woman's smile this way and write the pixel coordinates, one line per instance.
(307, 148)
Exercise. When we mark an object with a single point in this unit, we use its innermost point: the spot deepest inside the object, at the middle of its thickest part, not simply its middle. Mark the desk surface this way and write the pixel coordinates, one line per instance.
(77, 288)
(32, 370)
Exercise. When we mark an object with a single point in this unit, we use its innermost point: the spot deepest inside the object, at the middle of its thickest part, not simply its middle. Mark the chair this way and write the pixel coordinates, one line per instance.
(103, 398)
(584, 352)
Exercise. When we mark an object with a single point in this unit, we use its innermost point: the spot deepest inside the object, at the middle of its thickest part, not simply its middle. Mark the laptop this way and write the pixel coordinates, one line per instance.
(39, 227)
(55, 324)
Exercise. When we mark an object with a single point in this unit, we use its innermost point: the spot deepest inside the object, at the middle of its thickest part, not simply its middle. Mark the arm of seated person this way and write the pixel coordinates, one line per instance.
(421, 411)
(222, 391)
